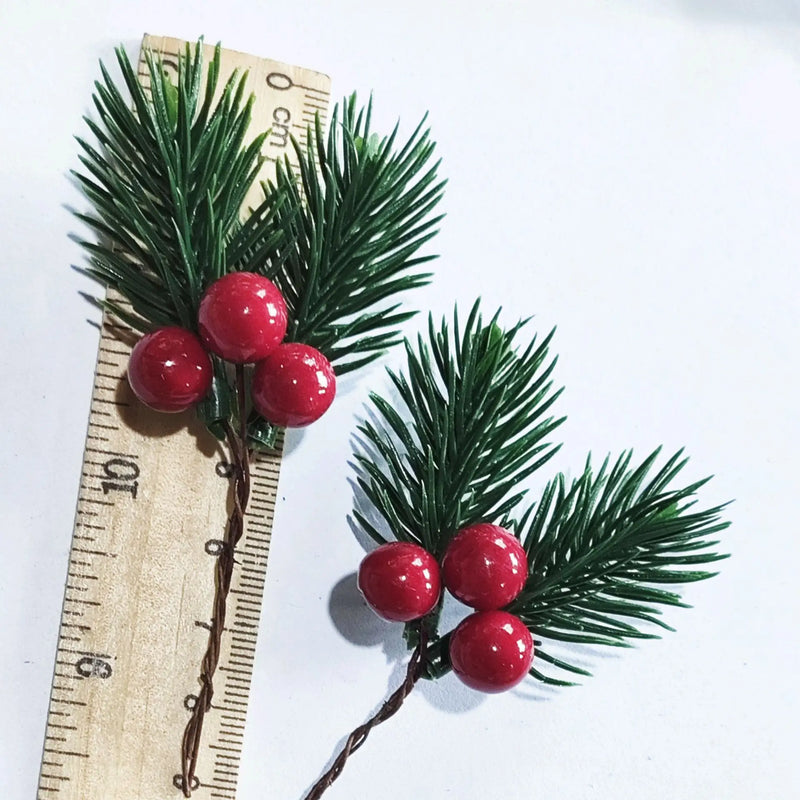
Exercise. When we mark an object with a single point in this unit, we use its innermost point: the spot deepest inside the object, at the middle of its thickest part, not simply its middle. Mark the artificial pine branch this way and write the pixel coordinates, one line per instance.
(600, 549)
(167, 184)
(466, 432)
(340, 237)
(469, 427)
(359, 210)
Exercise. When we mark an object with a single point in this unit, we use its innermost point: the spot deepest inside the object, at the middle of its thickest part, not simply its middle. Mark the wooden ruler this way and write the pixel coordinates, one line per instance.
(150, 516)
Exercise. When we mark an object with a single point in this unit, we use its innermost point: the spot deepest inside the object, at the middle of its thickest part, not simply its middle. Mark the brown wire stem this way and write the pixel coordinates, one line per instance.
(388, 709)
(223, 574)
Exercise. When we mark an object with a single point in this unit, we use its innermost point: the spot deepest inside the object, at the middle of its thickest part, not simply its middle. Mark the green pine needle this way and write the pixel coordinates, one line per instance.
(468, 428)
(167, 183)
(601, 548)
(353, 245)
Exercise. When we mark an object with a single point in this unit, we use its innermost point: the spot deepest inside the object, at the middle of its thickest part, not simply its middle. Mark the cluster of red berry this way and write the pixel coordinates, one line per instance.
(242, 318)
(485, 567)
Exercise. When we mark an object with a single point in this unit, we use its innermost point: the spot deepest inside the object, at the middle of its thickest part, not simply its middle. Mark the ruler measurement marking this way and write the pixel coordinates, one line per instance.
(316, 90)
(83, 576)
(246, 602)
(118, 403)
(252, 620)
(268, 468)
(246, 636)
(220, 771)
(252, 573)
(241, 592)
(107, 452)
(252, 543)
(241, 661)
(96, 501)
(104, 427)
(236, 739)
(234, 670)
(233, 703)
(262, 541)
(82, 602)
(260, 536)
(104, 348)
(224, 772)
(259, 586)
(261, 527)
(95, 552)
(224, 768)
(249, 570)
(227, 749)
(258, 523)
(235, 678)
(68, 753)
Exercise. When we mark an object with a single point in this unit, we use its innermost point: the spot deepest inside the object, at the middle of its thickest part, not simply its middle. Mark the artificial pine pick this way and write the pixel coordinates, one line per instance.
(441, 466)
(305, 284)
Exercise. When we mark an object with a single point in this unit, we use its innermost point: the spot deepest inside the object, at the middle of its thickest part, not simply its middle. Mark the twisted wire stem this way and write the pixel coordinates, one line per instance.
(223, 575)
(414, 671)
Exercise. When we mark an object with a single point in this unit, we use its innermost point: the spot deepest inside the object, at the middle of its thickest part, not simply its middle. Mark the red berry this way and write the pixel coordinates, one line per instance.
(491, 651)
(400, 581)
(169, 370)
(242, 317)
(293, 386)
(484, 566)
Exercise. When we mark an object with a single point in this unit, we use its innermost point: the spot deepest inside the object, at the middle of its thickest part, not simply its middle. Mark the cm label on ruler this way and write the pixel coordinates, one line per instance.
(150, 516)
(286, 104)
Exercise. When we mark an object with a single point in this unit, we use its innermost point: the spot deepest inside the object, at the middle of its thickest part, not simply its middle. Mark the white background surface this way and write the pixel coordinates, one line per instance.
(626, 170)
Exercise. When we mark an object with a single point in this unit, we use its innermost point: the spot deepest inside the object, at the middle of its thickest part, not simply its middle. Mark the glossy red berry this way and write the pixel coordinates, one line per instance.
(293, 386)
(242, 317)
(491, 651)
(400, 581)
(169, 370)
(484, 566)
